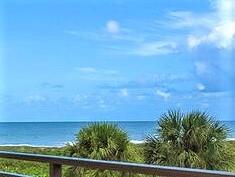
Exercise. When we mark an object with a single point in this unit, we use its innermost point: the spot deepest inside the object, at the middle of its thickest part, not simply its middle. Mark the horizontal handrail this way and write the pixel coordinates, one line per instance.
(4, 174)
(116, 166)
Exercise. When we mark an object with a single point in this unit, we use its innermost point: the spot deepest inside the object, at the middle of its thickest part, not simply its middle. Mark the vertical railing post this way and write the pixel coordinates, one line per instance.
(55, 170)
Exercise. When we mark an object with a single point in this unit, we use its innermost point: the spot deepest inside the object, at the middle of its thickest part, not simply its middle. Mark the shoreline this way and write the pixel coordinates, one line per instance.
(58, 145)
(64, 144)
(32, 145)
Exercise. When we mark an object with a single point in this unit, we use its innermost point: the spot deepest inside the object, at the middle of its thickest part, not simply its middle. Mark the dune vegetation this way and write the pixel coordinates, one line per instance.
(193, 140)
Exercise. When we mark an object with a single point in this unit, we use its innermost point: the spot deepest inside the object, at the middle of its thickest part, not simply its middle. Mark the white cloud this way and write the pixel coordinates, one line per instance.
(103, 34)
(187, 19)
(92, 70)
(35, 99)
(124, 93)
(200, 86)
(193, 41)
(81, 99)
(89, 101)
(156, 48)
(225, 9)
(222, 36)
(112, 27)
(220, 29)
(138, 43)
(95, 74)
(163, 94)
(215, 27)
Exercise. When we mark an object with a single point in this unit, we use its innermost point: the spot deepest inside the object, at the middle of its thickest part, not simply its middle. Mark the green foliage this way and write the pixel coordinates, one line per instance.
(60, 151)
(41, 170)
(101, 141)
(28, 168)
(189, 140)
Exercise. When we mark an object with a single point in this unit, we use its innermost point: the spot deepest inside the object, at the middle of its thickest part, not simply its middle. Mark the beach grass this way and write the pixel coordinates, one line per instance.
(40, 169)
(25, 167)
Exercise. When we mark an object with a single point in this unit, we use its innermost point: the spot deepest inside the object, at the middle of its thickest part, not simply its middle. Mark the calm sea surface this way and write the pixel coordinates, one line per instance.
(59, 133)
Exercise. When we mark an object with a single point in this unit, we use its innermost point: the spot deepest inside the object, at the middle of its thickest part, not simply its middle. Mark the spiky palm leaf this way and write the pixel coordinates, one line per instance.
(101, 141)
(189, 140)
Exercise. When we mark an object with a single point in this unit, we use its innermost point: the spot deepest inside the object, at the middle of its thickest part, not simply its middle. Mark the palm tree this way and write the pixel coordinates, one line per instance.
(189, 140)
(100, 141)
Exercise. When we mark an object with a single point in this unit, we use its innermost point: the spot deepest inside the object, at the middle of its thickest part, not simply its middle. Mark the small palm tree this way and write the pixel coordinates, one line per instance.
(101, 141)
(189, 140)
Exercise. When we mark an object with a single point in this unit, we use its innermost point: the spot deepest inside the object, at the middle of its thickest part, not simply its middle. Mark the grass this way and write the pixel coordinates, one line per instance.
(28, 168)
(233, 150)
(40, 169)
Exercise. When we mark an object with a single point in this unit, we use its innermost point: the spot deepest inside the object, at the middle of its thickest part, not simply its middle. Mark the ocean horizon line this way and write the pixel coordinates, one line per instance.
(81, 121)
(94, 121)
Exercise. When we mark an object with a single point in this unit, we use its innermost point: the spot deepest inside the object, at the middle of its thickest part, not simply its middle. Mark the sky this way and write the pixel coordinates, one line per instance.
(115, 60)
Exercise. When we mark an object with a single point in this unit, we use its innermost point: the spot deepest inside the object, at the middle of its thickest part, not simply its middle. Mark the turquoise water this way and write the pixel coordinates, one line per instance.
(59, 133)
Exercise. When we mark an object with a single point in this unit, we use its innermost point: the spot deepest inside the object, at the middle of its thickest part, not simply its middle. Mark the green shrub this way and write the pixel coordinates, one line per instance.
(101, 141)
(189, 140)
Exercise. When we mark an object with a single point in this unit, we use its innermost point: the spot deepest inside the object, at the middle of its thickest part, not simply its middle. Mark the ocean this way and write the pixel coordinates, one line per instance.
(60, 133)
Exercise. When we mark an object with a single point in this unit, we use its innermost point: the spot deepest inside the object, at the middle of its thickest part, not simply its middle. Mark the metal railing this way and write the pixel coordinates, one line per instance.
(5, 174)
(56, 163)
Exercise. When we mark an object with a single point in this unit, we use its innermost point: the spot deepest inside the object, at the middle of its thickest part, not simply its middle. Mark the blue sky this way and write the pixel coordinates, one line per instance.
(115, 60)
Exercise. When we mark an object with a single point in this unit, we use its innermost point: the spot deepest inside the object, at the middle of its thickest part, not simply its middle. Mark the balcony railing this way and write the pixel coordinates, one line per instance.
(56, 162)
(4, 174)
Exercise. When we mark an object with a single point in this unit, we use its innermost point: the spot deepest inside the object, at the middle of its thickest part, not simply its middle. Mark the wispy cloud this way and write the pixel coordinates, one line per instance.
(92, 73)
(212, 76)
(221, 29)
(222, 36)
(112, 26)
(128, 41)
(187, 19)
(89, 101)
(35, 99)
(164, 94)
(110, 30)
(200, 86)
(155, 48)
(80, 99)
(215, 27)
(86, 69)
(49, 85)
(91, 70)
(124, 93)
(150, 81)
